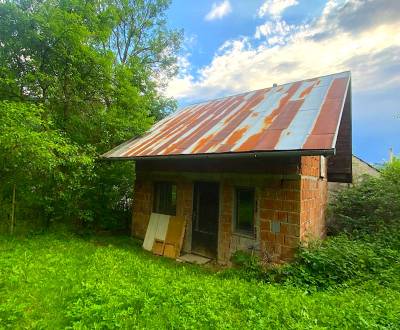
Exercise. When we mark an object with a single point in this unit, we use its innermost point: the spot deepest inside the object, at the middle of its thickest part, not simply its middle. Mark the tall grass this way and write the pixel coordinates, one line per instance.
(59, 281)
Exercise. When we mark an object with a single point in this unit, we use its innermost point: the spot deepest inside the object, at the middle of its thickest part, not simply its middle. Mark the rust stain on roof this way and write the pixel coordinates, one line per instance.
(295, 116)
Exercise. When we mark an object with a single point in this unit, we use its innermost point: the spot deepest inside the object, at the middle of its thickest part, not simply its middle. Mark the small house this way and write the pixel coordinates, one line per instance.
(248, 171)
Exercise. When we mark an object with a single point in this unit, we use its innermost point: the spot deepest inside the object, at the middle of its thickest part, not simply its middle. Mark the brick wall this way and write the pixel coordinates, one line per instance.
(314, 193)
(279, 219)
(142, 207)
(184, 207)
(225, 225)
(143, 204)
(290, 208)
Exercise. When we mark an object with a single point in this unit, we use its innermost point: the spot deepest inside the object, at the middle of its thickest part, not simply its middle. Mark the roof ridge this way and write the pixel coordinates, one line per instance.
(259, 89)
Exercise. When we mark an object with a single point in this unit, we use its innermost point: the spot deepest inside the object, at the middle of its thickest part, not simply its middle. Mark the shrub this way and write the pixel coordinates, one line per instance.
(366, 242)
(340, 260)
(370, 206)
(248, 265)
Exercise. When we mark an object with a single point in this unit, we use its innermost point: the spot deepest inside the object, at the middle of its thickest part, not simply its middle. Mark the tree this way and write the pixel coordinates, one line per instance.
(96, 70)
(40, 165)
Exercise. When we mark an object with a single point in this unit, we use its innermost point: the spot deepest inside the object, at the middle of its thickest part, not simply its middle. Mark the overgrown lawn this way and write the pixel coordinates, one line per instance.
(56, 281)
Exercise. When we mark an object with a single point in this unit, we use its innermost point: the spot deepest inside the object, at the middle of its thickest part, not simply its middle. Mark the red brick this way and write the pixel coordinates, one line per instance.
(270, 237)
(290, 229)
(267, 214)
(278, 205)
(291, 184)
(291, 241)
(264, 235)
(287, 253)
(294, 218)
(265, 225)
(282, 216)
(291, 206)
(267, 204)
(292, 195)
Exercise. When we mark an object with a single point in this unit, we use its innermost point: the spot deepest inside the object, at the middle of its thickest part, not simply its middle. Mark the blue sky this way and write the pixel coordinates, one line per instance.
(233, 46)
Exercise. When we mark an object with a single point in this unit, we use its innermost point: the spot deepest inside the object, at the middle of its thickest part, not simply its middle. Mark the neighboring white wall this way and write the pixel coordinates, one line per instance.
(361, 168)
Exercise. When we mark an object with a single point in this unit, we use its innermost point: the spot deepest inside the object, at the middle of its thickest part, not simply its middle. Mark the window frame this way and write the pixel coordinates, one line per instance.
(158, 195)
(248, 233)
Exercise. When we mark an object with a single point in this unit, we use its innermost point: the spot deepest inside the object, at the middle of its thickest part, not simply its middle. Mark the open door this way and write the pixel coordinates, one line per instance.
(205, 219)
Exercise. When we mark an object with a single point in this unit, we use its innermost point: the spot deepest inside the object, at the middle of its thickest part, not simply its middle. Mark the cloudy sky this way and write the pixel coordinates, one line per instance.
(234, 46)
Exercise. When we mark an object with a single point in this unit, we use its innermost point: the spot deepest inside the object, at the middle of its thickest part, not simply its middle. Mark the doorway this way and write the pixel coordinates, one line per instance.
(205, 219)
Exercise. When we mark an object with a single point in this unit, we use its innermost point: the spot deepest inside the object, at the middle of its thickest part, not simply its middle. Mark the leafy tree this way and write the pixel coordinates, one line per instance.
(96, 70)
(40, 165)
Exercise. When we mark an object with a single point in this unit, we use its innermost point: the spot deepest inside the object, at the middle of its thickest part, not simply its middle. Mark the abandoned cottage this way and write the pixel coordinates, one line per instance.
(246, 172)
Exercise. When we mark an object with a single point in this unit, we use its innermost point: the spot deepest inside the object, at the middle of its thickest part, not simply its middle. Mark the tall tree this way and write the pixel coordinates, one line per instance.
(96, 68)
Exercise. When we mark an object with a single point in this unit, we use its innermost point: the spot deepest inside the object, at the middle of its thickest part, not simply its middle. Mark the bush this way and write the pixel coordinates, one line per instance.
(342, 261)
(370, 206)
(248, 265)
(366, 245)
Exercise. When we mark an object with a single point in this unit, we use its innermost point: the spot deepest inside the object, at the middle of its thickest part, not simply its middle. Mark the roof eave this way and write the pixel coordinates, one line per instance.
(236, 155)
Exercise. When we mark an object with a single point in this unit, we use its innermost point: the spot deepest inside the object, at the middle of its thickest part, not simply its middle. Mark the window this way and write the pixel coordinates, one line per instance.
(244, 210)
(164, 198)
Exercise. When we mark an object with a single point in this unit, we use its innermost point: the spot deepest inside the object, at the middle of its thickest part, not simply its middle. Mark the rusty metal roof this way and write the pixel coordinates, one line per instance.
(303, 115)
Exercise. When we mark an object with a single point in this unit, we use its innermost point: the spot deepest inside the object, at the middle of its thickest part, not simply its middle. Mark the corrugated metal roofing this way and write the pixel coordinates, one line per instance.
(303, 115)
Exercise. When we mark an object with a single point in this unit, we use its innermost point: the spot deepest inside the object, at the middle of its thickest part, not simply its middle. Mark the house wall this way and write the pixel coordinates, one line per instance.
(314, 194)
(290, 205)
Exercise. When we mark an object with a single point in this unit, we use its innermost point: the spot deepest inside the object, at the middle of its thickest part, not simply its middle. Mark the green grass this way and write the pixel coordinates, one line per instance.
(58, 281)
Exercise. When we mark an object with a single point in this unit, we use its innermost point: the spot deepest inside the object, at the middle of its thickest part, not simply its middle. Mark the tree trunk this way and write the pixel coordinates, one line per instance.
(12, 212)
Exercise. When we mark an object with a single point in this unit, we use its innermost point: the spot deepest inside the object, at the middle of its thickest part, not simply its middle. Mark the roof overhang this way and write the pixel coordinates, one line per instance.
(340, 164)
(232, 155)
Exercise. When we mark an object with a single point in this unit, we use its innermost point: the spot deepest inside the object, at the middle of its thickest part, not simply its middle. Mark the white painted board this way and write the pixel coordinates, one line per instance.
(162, 227)
(150, 232)
(156, 229)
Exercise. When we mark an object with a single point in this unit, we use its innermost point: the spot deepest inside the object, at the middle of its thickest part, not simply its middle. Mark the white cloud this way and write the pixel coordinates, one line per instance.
(287, 53)
(219, 10)
(277, 32)
(275, 8)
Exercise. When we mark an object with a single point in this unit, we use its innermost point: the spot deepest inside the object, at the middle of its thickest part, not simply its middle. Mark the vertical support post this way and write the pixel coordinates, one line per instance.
(12, 212)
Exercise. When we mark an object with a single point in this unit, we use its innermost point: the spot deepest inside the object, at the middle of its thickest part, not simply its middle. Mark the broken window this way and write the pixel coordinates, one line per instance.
(164, 198)
(244, 210)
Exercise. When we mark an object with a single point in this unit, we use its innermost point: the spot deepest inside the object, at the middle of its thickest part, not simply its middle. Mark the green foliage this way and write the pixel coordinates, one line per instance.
(91, 75)
(367, 242)
(365, 246)
(370, 206)
(47, 169)
(61, 281)
(342, 261)
(248, 265)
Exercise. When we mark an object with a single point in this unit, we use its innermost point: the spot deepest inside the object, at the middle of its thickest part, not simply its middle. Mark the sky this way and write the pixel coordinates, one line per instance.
(233, 46)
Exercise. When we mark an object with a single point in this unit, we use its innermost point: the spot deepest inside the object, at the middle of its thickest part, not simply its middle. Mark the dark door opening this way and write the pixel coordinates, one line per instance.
(205, 219)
